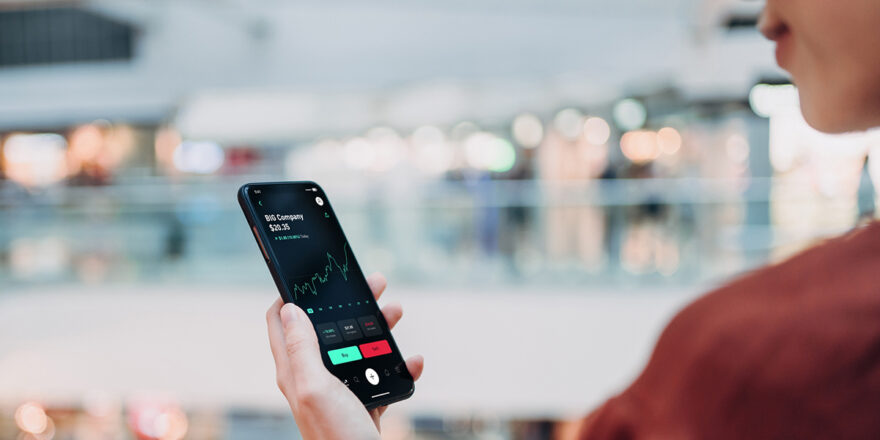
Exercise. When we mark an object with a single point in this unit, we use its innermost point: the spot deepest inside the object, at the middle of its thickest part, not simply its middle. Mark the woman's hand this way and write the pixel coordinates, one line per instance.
(324, 408)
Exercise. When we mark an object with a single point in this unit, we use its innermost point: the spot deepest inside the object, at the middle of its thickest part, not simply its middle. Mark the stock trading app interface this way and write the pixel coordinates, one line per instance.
(320, 274)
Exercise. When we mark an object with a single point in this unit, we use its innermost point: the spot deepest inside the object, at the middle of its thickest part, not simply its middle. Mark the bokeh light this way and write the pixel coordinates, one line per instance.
(388, 146)
(35, 159)
(767, 100)
(630, 114)
(569, 123)
(461, 131)
(30, 417)
(528, 130)
(432, 153)
(669, 140)
(427, 134)
(641, 146)
(503, 156)
(596, 130)
(171, 424)
(158, 421)
(86, 143)
(486, 151)
(198, 157)
(359, 153)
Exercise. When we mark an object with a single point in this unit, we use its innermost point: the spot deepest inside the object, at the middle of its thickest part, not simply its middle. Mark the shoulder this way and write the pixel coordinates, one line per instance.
(766, 342)
(836, 271)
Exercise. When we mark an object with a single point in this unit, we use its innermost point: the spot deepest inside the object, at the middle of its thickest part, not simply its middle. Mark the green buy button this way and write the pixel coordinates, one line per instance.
(343, 355)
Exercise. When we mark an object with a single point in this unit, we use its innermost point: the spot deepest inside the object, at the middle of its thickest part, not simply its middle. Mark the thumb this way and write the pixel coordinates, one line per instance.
(301, 343)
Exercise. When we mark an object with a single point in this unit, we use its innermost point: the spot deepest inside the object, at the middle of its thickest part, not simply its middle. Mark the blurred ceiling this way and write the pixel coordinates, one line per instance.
(547, 54)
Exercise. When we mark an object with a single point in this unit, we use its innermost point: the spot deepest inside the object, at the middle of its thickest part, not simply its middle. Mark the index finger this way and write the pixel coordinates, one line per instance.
(377, 284)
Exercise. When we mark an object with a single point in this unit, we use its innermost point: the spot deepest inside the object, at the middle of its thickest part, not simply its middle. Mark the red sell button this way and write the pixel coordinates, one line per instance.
(377, 348)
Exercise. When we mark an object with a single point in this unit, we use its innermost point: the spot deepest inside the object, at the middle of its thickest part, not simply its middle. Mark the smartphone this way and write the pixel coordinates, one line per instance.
(314, 267)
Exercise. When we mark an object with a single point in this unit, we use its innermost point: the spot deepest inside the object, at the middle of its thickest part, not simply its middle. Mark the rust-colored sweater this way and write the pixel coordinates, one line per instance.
(791, 351)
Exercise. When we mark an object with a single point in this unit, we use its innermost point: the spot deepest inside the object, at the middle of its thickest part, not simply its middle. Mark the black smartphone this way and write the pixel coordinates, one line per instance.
(314, 267)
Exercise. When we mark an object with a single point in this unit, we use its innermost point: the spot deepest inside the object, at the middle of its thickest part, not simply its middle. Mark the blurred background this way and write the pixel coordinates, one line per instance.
(543, 183)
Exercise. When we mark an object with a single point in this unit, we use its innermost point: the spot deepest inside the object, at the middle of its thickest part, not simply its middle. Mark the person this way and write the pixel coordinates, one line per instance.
(790, 351)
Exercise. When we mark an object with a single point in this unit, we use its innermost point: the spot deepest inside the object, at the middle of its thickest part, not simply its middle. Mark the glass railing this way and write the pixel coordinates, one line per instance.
(598, 232)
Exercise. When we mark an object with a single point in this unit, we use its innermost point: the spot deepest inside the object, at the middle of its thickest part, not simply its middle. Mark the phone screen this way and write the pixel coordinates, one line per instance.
(315, 268)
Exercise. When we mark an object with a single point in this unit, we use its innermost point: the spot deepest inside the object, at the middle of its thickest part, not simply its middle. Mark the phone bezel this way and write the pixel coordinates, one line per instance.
(271, 261)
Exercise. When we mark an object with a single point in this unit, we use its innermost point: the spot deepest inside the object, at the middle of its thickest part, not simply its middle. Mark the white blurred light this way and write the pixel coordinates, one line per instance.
(640, 146)
(38, 258)
(433, 155)
(630, 114)
(737, 148)
(35, 159)
(596, 130)
(767, 100)
(389, 148)
(569, 123)
(476, 149)
(428, 134)
(784, 149)
(199, 157)
(31, 418)
(794, 145)
(669, 140)
(379, 134)
(486, 151)
(388, 155)
(463, 130)
(359, 153)
(172, 424)
(100, 404)
(160, 422)
(528, 130)
(312, 160)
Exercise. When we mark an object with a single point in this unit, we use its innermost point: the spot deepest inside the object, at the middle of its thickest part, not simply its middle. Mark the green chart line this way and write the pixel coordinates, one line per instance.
(310, 286)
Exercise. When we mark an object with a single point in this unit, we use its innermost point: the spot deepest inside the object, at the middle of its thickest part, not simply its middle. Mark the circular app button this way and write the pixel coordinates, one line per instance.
(372, 376)
(319, 201)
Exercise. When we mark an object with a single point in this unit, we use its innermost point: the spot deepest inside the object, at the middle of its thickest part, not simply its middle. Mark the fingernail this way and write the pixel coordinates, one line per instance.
(288, 314)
